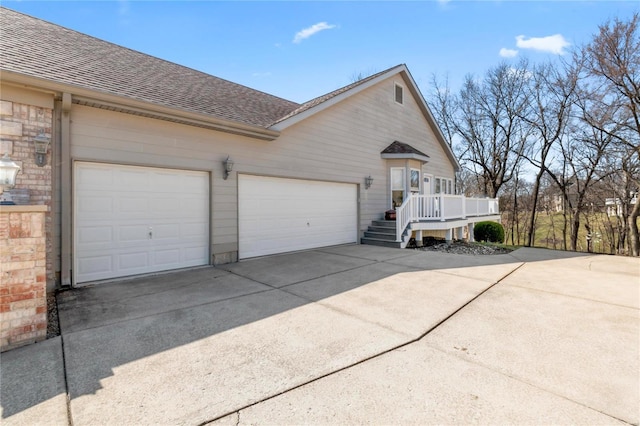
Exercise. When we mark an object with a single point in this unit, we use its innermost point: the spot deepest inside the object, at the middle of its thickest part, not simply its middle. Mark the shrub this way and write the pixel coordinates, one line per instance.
(488, 231)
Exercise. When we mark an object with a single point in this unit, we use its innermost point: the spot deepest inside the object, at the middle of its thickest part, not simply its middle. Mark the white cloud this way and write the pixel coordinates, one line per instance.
(124, 7)
(508, 53)
(308, 32)
(553, 44)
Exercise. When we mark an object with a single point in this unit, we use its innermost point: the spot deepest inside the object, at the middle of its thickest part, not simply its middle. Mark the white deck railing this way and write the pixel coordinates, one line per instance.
(441, 207)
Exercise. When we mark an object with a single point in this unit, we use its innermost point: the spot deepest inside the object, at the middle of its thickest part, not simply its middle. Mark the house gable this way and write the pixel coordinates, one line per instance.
(400, 75)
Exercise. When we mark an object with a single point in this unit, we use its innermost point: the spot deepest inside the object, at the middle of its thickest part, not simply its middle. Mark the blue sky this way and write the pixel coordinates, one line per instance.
(300, 50)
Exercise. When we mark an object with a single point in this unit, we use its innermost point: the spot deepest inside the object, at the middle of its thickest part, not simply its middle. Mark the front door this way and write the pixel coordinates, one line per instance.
(426, 186)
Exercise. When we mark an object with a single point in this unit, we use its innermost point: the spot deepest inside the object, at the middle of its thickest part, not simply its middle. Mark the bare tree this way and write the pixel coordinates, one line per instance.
(493, 135)
(613, 63)
(552, 91)
(484, 122)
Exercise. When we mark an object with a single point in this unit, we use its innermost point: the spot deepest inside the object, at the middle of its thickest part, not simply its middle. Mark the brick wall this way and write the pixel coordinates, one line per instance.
(19, 124)
(23, 286)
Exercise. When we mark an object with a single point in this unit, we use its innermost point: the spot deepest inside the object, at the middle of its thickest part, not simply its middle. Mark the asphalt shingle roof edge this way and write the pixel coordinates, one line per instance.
(37, 48)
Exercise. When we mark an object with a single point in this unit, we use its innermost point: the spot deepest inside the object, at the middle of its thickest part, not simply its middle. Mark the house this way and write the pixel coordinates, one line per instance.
(615, 206)
(153, 166)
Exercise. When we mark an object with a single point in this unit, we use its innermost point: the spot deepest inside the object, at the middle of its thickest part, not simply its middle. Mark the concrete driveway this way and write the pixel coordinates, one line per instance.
(342, 335)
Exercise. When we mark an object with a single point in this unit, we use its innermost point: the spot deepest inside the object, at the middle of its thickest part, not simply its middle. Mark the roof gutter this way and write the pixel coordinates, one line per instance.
(97, 99)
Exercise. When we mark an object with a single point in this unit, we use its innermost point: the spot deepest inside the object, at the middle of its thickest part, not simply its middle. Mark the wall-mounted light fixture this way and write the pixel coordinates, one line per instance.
(228, 167)
(41, 143)
(8, 172)
(367, 182)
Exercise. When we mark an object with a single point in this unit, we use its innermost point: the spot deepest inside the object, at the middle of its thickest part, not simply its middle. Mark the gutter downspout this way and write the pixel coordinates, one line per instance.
(65, 191)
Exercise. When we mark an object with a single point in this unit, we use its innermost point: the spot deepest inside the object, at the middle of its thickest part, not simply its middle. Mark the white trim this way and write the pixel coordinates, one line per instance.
(411, 156)
(334, 100)
(154, 265)
(413, 89)
(445, 184)
(395, 93)
(411, 187)
(148, 109)
(404, 184)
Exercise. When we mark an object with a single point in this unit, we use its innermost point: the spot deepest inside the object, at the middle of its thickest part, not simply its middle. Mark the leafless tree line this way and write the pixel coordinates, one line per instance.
(568, 129)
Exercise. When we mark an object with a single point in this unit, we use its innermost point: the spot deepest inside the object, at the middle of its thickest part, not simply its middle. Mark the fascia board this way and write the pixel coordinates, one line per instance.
(406, 157)
(415, 91)
(139, 107)
(336, 99)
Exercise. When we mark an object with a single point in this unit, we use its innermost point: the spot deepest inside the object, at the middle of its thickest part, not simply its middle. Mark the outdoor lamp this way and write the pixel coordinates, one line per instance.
(42, 144)
(8, 171)
(367, 182)
(228, 166)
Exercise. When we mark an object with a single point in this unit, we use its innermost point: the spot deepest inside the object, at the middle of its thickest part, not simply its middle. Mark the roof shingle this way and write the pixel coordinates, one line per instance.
(402, 148)
(40, 49)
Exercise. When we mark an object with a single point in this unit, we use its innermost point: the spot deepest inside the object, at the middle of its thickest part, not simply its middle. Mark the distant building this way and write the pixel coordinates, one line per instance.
(614, 206)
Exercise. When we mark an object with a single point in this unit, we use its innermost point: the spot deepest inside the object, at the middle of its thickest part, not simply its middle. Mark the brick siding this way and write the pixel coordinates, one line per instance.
(19, 124)
(23, 286)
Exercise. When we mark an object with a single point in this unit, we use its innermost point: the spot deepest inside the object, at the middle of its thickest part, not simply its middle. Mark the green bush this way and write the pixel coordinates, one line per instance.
(488, 231)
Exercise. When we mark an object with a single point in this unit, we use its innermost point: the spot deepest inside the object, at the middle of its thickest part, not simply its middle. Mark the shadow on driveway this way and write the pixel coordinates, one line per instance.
(195, 345)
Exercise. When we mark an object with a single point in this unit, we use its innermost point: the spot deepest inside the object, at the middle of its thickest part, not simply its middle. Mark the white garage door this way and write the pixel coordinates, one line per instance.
(135, 220)
(278, 215)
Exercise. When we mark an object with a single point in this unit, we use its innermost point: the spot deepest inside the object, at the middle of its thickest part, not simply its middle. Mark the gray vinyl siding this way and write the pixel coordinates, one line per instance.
(340, 144)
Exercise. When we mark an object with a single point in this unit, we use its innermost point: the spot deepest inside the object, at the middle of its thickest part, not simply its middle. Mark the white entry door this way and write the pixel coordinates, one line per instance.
(277, 215)
(134, 220)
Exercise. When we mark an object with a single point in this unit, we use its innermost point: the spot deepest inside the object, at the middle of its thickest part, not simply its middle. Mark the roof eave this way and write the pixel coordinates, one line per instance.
(415, 91)
(406, 156)
(334, 100)
(136, 107)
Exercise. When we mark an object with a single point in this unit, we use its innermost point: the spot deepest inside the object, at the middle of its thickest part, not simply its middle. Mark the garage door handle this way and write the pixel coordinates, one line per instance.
(150, 233)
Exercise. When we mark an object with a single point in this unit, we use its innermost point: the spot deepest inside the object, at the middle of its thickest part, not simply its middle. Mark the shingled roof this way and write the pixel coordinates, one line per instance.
(403, 150)
(37, 48)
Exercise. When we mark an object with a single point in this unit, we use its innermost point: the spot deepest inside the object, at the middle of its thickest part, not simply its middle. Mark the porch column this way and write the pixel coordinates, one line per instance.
(460, 233)
(419, 238)
(449, 235)
(470, 227)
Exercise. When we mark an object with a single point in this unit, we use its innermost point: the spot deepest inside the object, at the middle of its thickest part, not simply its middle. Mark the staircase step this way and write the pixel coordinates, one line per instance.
(382, 229)
(388, 236)
(378, 242)
(384, 223)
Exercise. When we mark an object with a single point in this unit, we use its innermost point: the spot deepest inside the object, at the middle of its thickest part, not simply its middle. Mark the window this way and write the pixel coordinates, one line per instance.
(444, 185)
(397, 186)
(415, 180)
(399, 93)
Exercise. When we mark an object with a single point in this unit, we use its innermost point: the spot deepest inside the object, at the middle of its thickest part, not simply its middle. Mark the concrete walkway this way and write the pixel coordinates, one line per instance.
(348, 334)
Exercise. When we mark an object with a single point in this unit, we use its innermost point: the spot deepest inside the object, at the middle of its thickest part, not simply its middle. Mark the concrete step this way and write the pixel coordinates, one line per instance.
(384, 223)
(382, 229)
(377, 242)
(387, 236)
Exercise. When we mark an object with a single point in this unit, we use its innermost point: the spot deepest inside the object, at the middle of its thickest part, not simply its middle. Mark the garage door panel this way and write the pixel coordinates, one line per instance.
(96, 206)
(133, 180)
(133, 220)
(95, 177)
(130, 205)
(95, 265)
(167, 257)
(132, 262)
(95, 235)
(277, 215)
